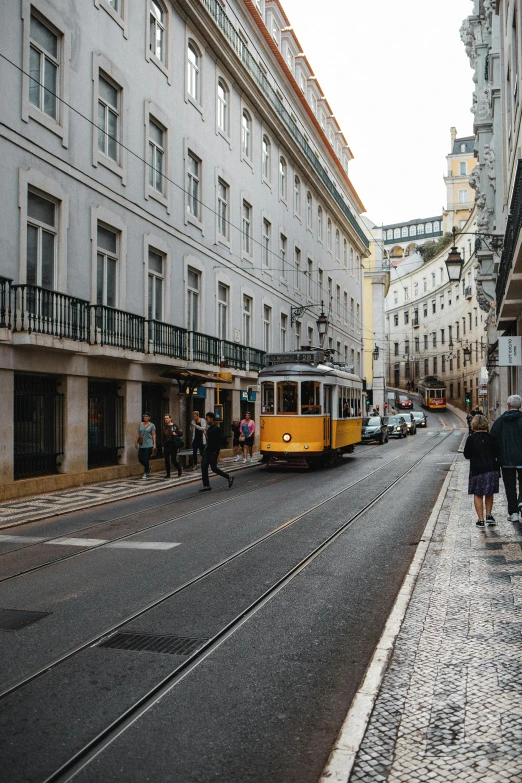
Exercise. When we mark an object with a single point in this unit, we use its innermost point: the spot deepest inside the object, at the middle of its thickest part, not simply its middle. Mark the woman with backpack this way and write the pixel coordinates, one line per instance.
(482, 452)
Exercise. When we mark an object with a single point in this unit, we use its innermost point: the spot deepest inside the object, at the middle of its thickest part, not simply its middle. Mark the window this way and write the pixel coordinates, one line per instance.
(433, 282)
(44, 64)
(247, 228)
(351, 262)
(109, 99)
(247, 320)
(406, 316)
(425, 342)
(395, 297)
(443, 362)
(420, 228)
(434, 365)
(337, 244)
(297, 195)
(156, 156)
(290, 58)
(395, 349)
(282, 254)
(429, 228)
(282, 178)
(407, 347)
(155, 288)
(436, 226)
(193, 72)
(396, 233)
(345, 253)
(41, 241)
(329, 235)
(434, 339)
(267, 167)
(424, 284)
(267, 233)
(297, 335)
(297, 260)
(396, 319)
(267, 321)
(308, 209)
(223, 292)
(310, 280)
(462, 167)
(441, 303)
(320, 223)
(157, 31)
(222, 107)
(416, 344)
(275, 31)
(106, 267)
(433, 306)
(426, 366)
(246, 135)
(222, 209)
(193, 183)
(193, 290)
(406, 294)
(338, 299)
(425, 309)
(404, 231)
(463, 196)
(415, 289)
(302, 82)
(413, 231)
(284, 324)
(320, 281)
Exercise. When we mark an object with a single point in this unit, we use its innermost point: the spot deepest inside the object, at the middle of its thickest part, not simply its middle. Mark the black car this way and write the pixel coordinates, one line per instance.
(397, 427)
(421, 420)
(411, 423)
(374, 428)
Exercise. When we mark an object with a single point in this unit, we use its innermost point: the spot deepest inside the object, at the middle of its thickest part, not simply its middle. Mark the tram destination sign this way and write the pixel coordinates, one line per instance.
(296, 357)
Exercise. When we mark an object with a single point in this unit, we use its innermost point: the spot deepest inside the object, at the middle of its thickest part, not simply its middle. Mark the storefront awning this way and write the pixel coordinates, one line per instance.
(188, 379)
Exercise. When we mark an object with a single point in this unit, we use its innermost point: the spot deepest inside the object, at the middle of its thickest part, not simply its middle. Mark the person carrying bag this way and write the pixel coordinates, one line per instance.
(146, 443)
(171, 445)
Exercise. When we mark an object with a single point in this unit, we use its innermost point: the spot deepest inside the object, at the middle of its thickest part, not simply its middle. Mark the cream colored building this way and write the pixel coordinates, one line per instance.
(460, 196)
(375, 287)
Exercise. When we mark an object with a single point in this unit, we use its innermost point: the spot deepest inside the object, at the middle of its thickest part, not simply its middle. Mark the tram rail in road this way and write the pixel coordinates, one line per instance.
(83, 755)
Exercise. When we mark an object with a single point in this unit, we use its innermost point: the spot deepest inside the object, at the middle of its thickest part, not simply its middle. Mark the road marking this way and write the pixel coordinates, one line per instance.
(88, 542)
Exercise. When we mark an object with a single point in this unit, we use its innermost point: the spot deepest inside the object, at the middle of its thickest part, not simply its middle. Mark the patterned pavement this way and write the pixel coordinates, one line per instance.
(16, 512)
(450, 705)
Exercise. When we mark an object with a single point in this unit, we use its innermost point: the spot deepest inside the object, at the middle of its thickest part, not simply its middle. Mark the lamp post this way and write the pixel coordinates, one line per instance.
(375, 353)
(322, 321)
(454, 262)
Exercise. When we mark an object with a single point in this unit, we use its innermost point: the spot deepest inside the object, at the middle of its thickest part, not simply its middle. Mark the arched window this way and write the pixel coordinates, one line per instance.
(429, 228)
(413, 231)
(157, 30)
(351, 260)
(329, 234)
(193, 72)
(267, 160)
(420, 228)
(320, 222)
(404, 231)
(309, 209)
(396, 233)
(337, 244)
(297, 195)
(282, 177)
(436, 226)
(246, 134)
(345, 253)
(222, 107)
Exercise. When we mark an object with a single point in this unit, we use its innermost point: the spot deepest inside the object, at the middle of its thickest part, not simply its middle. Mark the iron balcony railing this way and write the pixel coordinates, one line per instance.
(252, 66)
(513, 226)
(28, 308)
(36, 309)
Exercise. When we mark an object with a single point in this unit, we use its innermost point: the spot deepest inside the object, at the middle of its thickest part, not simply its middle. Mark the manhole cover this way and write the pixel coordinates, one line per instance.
(146, 642)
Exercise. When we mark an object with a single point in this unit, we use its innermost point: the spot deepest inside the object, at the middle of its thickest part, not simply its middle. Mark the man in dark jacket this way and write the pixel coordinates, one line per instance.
(211, 454)
(507, 433)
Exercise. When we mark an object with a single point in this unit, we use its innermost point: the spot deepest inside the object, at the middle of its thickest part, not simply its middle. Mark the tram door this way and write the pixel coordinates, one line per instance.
(328, 416)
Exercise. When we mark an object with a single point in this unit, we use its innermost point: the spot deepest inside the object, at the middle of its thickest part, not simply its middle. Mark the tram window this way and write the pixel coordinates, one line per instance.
(310, 397)
(287, 397)
(267, 397)
(345, 402)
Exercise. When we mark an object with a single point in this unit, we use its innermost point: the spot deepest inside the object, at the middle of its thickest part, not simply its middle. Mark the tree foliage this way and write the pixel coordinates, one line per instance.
(433, 247)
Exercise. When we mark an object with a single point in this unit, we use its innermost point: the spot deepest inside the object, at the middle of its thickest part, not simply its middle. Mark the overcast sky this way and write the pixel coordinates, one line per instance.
(397, 78)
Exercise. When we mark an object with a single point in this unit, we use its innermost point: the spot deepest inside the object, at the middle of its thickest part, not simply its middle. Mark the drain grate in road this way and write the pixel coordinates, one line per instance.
(146, 642)
(15, 619)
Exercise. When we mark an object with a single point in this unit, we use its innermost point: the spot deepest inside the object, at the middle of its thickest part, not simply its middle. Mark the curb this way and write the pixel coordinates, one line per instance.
(104, 501)
(340, 764)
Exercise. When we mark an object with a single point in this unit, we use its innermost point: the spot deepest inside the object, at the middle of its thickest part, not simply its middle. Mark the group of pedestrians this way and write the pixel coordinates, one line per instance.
(492, 453)
(206, 441)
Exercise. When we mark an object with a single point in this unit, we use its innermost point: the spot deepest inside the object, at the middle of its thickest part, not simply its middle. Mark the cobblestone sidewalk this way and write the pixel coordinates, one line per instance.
(29, 509)
(450, 705)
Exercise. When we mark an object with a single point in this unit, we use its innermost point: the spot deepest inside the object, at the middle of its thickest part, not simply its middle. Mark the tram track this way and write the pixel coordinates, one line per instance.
(107, 542)
(79, 760)
(115, 627)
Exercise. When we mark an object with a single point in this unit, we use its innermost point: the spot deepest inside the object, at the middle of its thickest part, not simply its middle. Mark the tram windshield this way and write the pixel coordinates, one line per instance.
(287, 397)
(310, 397)
(267, 397)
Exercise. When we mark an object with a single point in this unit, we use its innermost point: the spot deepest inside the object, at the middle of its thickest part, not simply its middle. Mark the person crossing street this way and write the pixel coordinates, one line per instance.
(211, 454)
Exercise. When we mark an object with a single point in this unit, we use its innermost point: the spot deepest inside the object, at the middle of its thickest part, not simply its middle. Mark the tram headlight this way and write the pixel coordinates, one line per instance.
(287, 437)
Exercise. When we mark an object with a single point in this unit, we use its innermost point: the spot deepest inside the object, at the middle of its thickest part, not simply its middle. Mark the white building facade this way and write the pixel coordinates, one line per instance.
(174, 184)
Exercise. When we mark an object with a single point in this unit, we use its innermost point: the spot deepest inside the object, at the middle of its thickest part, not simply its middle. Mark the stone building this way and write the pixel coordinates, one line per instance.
(174, 184)
(460, 196)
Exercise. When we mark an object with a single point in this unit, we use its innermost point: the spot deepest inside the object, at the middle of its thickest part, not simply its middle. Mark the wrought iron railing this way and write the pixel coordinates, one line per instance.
(256, 359)
(513, 226)
(36, 309)
(204, 348)
(38, 425)
(166, 340)
(234, 39)
(106, 424)
(5, 302)
(234, 355)
(117, 328)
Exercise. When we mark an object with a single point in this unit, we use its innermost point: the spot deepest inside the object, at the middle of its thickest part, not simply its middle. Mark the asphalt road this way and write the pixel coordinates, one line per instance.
(264, 700)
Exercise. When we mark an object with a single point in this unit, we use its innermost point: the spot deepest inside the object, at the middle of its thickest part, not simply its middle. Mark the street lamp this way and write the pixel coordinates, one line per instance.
(375, 353)
(454, 262)
(322, 325)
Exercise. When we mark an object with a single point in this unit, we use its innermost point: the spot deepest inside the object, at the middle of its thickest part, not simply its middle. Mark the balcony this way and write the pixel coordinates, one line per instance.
(513, 226)
(415, 323)
(468, 292)
(35, 310)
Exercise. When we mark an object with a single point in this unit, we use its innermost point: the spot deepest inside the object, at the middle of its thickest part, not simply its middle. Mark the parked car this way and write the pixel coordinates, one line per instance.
(397, 427)
(403, 402)
(421, 420)
(411, 423)
(374, 428)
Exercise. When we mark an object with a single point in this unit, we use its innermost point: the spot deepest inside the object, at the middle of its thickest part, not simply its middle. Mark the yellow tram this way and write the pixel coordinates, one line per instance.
(311, 410)
(432, 393)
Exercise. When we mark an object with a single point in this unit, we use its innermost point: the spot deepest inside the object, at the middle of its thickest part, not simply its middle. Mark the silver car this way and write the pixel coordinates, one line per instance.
(397, 427)
(421, 420)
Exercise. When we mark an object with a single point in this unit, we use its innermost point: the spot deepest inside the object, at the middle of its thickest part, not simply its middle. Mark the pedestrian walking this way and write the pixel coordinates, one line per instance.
(236, 432)
(172, 442)
(482, 452)
(469, 418)
(211, 454)
(507, 433)
(146, 443)
(246, 437)
(198, 427)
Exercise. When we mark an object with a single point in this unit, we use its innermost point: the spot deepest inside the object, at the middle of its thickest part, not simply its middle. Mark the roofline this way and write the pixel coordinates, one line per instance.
(413, 220)
(268, 38)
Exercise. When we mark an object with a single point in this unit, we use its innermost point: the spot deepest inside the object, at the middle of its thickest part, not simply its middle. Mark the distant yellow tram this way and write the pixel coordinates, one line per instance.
(311, 410)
